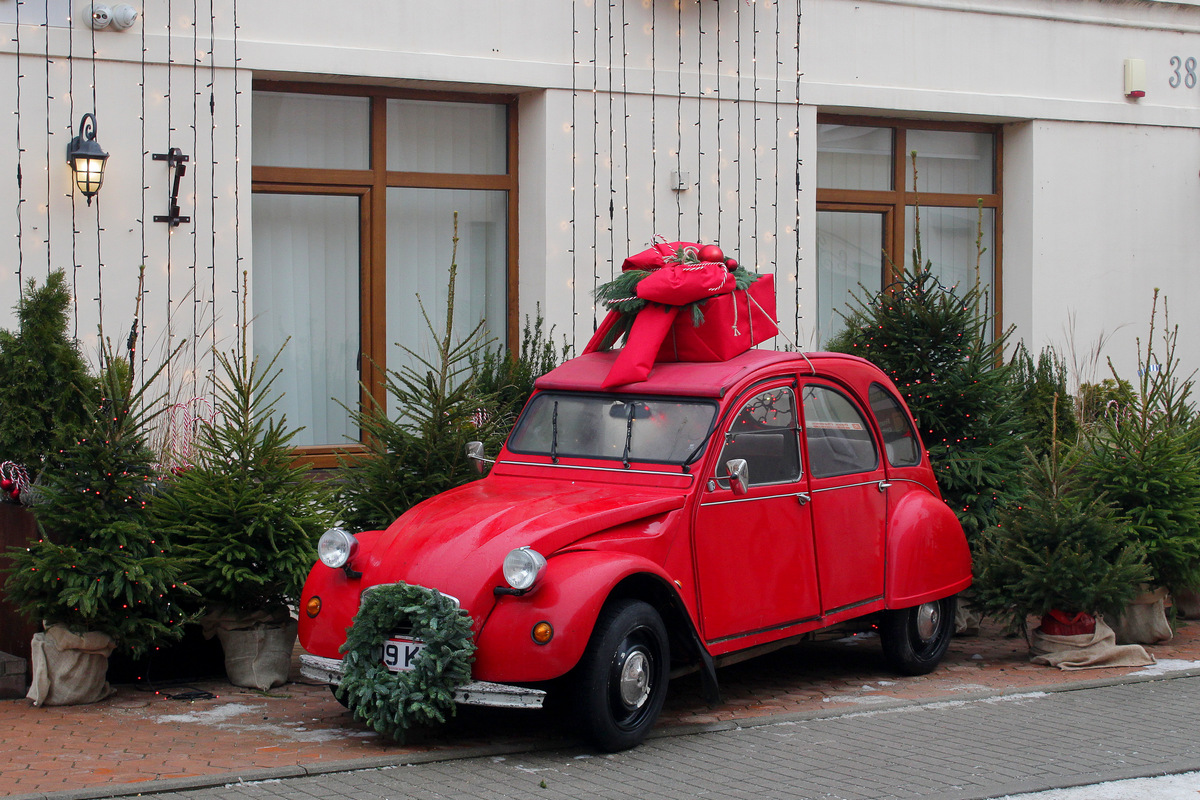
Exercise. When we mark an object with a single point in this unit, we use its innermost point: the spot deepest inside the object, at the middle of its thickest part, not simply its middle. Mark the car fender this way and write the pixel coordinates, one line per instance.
(927, 553)
(570, 595)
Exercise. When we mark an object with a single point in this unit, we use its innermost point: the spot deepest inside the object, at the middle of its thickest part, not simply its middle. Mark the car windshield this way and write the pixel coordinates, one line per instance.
(561, 424)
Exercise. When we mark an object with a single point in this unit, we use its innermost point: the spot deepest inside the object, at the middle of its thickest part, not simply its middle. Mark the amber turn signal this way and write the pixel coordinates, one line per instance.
(543, 632)
(313, 606)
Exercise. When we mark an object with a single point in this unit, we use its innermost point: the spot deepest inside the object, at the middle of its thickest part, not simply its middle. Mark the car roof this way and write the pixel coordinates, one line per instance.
(586, 373)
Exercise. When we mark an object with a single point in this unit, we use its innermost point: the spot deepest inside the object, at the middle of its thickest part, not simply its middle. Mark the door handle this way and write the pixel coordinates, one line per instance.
(802, 498)
(883, 485)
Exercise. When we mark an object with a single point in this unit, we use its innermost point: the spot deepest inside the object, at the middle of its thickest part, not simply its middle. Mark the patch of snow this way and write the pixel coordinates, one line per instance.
(1185, 786)
(1164, 665)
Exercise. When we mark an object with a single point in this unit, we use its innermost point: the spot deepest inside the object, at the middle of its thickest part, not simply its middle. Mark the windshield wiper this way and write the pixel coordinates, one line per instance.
(554, 435)
(628, 434)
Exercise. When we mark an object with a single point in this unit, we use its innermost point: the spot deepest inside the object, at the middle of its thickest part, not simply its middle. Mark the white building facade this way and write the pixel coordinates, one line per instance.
(330, 152)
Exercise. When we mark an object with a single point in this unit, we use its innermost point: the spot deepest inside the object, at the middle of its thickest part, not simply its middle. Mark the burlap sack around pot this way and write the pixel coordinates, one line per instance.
(1086, 650)
(1144, 620)
(258, 645)
(69, 668)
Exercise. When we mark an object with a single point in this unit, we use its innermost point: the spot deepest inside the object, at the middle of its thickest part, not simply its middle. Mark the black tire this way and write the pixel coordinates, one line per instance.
(915, 639)
(629, 651)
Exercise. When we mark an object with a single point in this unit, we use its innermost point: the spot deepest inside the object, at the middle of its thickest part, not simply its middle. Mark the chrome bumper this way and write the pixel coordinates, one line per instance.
(476, 693)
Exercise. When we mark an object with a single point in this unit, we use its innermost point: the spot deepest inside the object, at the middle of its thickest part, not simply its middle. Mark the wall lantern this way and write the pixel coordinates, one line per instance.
(87, 158)
(175, 162)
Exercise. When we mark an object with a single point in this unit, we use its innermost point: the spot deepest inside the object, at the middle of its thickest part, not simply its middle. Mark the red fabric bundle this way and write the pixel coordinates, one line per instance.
(733, 323)
(664, 329)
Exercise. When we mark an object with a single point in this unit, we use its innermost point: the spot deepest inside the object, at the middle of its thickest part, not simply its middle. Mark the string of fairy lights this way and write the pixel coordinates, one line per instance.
(718, 138)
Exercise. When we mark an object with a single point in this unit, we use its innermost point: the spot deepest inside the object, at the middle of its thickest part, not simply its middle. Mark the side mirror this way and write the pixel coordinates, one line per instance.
(739, 475)
(475, 453)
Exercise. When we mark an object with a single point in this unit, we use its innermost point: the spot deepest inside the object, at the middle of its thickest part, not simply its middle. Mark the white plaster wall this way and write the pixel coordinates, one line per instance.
(1108, 218)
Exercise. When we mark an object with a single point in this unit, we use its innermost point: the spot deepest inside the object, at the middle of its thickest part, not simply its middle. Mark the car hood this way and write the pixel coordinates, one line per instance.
(456, 542)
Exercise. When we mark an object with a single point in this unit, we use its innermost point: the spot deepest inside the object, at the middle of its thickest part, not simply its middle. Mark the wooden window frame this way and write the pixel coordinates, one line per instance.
(899, 198)
(371, 185)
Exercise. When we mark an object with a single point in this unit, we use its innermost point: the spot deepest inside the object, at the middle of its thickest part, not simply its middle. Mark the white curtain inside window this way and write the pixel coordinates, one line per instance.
(426, 136)
(853, 157)
(849, 253)
(305, 286)
(948, 240)
(420, 230)
(951, 162)
(308, 130)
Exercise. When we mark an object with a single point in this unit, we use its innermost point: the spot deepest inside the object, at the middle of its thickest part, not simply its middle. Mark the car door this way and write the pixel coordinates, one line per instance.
(848, 485)
(754, 551)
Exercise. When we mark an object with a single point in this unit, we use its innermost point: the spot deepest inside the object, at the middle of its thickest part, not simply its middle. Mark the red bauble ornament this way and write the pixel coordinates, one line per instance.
(7, 485)
(15, 494)
(710, 254)
(730, 264)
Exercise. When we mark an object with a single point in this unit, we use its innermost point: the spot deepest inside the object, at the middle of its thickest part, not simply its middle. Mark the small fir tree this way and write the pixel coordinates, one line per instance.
(1145, 455)
(1046, 408)
(423, 451)
(1062, 546)
(99, 564)
(46, 389)
(933, 342)
(245, 516)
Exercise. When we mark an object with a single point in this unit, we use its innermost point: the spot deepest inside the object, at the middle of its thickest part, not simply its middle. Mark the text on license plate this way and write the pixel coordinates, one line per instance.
(400, 653)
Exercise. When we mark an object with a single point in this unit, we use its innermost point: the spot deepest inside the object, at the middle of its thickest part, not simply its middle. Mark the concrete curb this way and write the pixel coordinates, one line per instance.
(144, 788)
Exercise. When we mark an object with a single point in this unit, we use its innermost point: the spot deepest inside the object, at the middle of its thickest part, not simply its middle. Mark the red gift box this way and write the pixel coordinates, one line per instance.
(733, 323)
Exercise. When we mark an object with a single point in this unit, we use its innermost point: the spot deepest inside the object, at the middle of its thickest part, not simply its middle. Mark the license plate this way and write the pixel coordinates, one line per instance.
(400, 653)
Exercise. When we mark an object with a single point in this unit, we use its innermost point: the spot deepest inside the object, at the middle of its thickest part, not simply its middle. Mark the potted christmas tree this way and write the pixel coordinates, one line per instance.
(100, 575)
(247, 520)
(1062, 553)
(1144, 454)
(44, 398)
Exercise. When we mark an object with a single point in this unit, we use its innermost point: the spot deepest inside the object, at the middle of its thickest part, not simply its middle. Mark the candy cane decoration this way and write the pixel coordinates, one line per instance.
(183, 423)
(13, 480)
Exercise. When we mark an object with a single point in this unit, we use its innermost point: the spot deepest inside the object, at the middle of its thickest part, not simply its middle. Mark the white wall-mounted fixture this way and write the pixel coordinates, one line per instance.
(101, 16)
(1135, 78)
(98, 15)
(123, 16)
(680, 181)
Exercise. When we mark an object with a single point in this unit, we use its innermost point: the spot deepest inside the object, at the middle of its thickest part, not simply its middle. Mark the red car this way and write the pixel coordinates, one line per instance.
(707, 513)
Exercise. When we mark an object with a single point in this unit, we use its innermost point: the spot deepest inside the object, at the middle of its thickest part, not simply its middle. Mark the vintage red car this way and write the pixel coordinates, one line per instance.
(707, 513)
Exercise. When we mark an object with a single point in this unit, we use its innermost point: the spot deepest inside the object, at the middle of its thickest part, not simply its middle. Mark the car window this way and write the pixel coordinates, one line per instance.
(839, 439)
(765, 433)
(900, 441)
(619, 428)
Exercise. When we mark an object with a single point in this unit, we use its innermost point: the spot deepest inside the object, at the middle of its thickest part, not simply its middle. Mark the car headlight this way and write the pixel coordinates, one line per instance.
(522, 567)
(336, 547)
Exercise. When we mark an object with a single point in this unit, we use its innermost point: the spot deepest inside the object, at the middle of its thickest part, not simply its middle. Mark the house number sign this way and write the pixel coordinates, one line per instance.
(1183, 72)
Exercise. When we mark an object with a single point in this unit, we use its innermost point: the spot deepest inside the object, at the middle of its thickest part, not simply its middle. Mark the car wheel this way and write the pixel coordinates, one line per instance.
(915, 639)
(622, 678)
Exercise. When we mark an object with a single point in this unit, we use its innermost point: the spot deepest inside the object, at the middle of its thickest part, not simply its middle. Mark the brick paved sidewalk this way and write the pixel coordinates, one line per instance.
(138, 736)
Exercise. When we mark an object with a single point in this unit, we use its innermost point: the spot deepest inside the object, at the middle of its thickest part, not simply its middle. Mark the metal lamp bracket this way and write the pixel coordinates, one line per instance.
(176, 161)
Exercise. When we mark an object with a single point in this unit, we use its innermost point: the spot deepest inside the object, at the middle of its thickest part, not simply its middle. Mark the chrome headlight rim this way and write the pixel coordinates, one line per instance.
(336, 547)
(522, 567)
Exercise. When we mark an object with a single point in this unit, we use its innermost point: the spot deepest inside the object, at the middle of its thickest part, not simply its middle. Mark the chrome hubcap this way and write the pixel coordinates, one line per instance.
(635, 679)
(928, 617)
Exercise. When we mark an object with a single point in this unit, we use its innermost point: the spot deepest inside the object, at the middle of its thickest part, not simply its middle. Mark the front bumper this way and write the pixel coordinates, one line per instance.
(476, 693)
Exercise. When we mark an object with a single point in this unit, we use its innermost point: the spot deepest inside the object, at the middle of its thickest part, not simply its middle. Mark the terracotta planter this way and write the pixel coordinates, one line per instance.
(1061, 623)
(1187, 603)
(17, 528)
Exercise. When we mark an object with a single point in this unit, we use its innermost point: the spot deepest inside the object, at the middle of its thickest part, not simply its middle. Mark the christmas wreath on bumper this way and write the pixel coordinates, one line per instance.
(392, 702)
